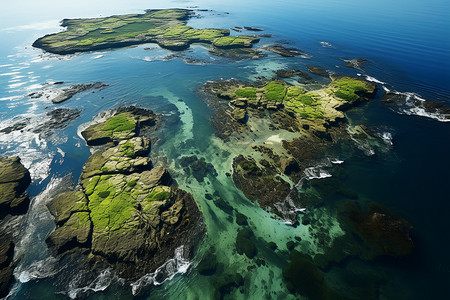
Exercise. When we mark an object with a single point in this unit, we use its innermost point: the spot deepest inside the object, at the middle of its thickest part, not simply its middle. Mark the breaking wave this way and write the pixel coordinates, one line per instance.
(176, 265)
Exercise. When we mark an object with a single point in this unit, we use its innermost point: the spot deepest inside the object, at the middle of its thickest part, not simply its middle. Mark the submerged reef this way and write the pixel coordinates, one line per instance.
(166, 27)
(126, 213)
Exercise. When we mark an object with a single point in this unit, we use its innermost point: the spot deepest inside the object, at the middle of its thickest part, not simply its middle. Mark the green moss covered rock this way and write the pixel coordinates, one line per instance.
(125, 213)
(14, 180)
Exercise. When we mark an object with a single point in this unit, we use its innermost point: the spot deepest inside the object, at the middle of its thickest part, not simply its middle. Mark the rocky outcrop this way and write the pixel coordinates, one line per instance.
(259, 183)
(125, 124)
(6, 268)
(14, 180)
(62, 94)
(282, 50)
(126, 212)
(45, 124)
(412, 104)
(318, 71)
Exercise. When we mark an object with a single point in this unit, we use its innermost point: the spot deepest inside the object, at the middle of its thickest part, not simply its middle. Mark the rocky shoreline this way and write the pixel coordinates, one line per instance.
(14, 180)
(126, 213)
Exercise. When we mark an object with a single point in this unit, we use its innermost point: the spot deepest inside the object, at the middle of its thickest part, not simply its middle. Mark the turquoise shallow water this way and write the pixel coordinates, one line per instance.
(407, 44)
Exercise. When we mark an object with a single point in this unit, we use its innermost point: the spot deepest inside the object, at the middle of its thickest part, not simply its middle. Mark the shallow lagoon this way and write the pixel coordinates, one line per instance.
(407, 48)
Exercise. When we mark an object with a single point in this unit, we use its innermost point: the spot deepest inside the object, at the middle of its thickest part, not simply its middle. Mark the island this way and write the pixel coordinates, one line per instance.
(166, 27)
(126, 213)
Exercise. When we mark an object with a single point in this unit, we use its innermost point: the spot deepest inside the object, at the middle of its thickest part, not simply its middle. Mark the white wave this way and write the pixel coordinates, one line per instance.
(176, 265)
(326, 44)
(411, 108)
(373, 79)
(4, 66)
(31, 250)
(15, 85)
(337, 162)
(316, 173)
(39, 269)
(47, 67)
(97, 56)
(9, 74)
(386, 89)
(387, 138)
(100, 283)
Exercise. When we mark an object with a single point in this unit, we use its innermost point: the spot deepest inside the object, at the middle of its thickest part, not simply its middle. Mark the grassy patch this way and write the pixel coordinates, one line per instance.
(274, 91)
(120, 122)
(347, 88)
(246, 92)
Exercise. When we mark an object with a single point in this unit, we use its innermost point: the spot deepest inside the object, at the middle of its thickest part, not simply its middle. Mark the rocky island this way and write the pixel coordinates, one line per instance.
(166, 27)
(126, 213)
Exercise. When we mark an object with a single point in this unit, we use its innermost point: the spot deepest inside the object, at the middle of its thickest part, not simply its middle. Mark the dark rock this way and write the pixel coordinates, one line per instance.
(241, 219)
(238, 53)
(306, 220)
(253, 28)
(259, 184)
(6, 267)
(244, 243)
(356, 63)
(260, 262)
(282, 50)
(208, 265)
(380, 229)
(14, 180)
(226, 284)
(68, 92)
(304, 278)
(285, 73)
(304, 75)
(198, 167)
(290, 245)
(406, 102)
(223, 205)
(272, 246)
(318, 71)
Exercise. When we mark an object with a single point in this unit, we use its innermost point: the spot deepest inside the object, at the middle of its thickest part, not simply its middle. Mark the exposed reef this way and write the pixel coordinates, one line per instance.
(282, 50)
(166, 27)
(14, 180)
(126, 213)
(412, 104)
(61, 94)
(269, 175)
(45, 124)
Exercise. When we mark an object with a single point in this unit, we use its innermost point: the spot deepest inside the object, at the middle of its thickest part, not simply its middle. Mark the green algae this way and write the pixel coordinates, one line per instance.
(348, 88)
(246, 92)
(275, 91)
(120, 122)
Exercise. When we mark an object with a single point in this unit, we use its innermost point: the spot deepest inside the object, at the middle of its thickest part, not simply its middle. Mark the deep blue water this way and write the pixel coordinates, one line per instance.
(407, 44)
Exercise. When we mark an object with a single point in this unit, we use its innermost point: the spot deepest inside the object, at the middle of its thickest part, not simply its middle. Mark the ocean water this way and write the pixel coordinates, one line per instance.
(407, 44)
